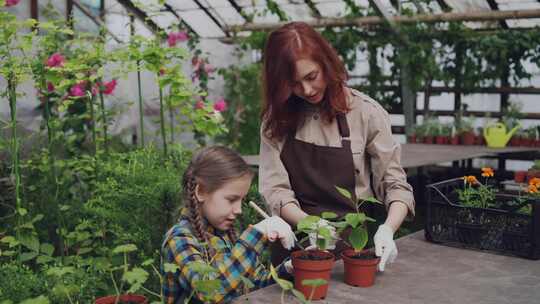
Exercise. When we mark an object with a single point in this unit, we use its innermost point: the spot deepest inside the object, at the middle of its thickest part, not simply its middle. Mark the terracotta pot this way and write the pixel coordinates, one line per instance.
(454, 140)
(515, 141)
(519, 176)
(440, 140)
(525, 142)
(306, 269)
(128, 298)
(428, 139)
(412, 139)
(467, 138)
(359, 272)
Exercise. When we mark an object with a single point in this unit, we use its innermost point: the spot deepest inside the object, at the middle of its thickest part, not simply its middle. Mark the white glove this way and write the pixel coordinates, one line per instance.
(276, 228)
(385, 247)
(288, 266)
(312, 236)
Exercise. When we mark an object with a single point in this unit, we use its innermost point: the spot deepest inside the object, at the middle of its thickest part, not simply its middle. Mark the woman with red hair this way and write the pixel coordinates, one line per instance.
(317, 134)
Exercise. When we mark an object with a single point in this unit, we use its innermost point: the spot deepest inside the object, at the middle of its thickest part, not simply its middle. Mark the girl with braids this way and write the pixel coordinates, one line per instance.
(214, 185)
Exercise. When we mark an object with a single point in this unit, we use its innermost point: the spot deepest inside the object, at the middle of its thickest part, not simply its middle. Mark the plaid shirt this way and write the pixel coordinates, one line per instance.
(232, 261)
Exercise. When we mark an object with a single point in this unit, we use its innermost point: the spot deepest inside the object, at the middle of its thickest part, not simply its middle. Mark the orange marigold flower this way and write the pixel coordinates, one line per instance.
(487, 172)
(532, 189)
(470, 179)
(535, 181)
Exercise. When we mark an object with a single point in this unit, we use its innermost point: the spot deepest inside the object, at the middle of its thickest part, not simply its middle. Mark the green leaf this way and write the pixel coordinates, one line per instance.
(125, 248)
(27, 256)
(358, 238)
(29, 241)
(314, 282)
(344, 192)
(328, 215)
(147, 262)
(308, 223)
(135, 277)
(22, 211)
(354, 219)
(299, 295)
(247, 282)
(284, 284)
(84, 250)
(47, 249)
(39, 300)
(10, 240)
(44, 259)
(201, 268)
(207, 286)
(60, 271)
(170, 267)
(372, 199)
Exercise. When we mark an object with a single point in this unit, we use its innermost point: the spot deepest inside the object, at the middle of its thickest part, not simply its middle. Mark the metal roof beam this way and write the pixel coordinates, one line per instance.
(141, 15)
(239, 10)
(494, 6)
(313, 8)
(204, 9)
(171, 10)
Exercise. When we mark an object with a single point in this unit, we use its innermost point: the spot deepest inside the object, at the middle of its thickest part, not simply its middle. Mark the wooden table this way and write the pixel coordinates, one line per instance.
(429, 273)
(418, 155)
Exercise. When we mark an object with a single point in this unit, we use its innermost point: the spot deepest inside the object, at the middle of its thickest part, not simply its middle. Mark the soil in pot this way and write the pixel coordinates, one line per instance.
(310, 265)
(360, 267)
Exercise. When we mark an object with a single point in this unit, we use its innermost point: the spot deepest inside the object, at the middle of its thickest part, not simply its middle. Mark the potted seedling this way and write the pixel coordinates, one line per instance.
(360, 265)
(314, 265)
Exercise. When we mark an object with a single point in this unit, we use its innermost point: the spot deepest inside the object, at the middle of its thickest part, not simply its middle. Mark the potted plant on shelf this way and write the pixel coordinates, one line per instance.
(314, 264)
(360, 265)
(466, 131)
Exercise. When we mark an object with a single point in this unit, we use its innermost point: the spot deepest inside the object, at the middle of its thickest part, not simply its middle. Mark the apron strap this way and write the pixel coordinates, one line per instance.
(343, 126)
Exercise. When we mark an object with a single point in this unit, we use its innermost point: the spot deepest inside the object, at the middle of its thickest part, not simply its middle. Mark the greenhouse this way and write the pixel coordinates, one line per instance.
(269, 151)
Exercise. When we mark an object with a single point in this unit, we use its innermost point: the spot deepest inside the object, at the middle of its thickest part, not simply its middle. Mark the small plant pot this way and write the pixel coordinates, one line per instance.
(520, 176)
(428, 139)
(440, 140)
(480, 140)
(454, 140)
(412, 138)
(310, 265)
(124, 299)
(468, 138)
(360, 267)
(515, 141)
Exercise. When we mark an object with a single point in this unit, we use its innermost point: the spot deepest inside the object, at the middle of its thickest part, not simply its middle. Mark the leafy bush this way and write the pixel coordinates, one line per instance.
(19, 283)
(137, 196)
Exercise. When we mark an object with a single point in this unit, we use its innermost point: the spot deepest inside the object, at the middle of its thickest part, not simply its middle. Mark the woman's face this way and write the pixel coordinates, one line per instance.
(222, 206)
(309, 83)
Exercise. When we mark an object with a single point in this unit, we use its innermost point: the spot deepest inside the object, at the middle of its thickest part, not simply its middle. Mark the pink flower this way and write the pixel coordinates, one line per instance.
(77, 90)
(50, 87)
(208, 68)
(12, 2)
(220, 105)
(109, 87)
(199, 105)
(196, 62)
(56, 60)
(174, 38)
(162, 71)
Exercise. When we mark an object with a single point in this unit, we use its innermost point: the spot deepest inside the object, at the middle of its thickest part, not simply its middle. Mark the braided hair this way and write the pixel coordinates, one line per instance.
(210, 169)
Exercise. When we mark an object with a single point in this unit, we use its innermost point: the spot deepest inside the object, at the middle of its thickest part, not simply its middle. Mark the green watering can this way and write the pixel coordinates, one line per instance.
(497, 136)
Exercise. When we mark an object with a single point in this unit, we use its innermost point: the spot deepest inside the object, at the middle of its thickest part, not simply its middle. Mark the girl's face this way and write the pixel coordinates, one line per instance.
(222, 206)
(309, 83)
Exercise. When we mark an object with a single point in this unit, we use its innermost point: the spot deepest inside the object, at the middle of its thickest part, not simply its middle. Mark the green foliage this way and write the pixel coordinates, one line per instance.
(137, 196)
(312, 224)
(243, 93)
(19, 283)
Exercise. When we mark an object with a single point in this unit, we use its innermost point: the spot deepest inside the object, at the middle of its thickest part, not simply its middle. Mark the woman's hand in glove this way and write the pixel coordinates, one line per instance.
(385, 247)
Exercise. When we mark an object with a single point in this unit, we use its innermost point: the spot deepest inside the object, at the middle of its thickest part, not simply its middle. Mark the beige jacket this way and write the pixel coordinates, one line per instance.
(373, 147)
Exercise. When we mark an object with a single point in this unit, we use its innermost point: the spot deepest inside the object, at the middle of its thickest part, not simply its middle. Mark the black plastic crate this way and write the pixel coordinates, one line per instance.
(502, 229)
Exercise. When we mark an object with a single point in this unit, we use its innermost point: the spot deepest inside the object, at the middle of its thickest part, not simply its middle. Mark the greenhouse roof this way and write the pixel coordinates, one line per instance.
(212, 18)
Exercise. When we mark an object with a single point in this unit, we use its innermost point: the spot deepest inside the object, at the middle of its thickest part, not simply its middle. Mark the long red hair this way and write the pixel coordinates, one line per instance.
(282, 111)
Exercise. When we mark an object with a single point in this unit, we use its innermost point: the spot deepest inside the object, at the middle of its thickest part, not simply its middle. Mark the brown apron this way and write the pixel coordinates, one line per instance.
(314, 171)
